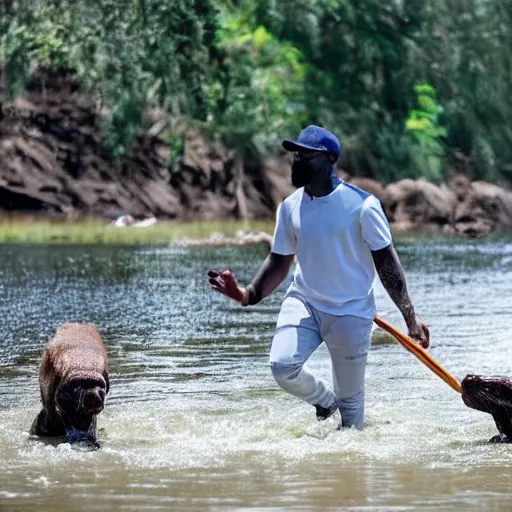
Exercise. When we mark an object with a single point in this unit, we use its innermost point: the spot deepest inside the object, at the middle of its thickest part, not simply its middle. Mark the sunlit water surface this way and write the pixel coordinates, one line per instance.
(194, 420)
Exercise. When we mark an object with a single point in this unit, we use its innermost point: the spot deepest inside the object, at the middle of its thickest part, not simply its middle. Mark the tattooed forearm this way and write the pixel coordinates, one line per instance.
(270, 275)
(392, 277)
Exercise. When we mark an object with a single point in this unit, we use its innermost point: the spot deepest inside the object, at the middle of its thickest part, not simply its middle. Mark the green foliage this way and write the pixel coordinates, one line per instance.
(427, 152)
(176, 146)
(251, 73)
(14, 49)
(128, 55)
(258, 94)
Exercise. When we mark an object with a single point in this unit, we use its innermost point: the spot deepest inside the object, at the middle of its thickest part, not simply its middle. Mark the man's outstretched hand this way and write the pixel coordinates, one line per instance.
(225, 283)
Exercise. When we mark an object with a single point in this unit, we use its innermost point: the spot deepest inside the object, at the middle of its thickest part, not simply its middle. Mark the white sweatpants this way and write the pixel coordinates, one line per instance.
(300, 330)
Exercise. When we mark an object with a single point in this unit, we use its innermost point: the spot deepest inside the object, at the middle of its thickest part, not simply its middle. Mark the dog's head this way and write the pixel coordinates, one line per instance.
(492, 395)
(80, 399)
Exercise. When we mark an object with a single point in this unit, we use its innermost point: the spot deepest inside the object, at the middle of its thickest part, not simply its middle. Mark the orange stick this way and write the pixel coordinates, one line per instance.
(421, 354)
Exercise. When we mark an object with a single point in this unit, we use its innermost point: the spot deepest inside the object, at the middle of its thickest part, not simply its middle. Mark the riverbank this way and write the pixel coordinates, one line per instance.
(29, 230)
(52, 163)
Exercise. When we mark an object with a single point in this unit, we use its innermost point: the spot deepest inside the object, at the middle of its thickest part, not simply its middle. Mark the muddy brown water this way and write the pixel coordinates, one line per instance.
(194, 420)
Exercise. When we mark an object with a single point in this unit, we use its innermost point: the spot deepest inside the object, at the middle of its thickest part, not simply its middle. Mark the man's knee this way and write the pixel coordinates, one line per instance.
(285, 371)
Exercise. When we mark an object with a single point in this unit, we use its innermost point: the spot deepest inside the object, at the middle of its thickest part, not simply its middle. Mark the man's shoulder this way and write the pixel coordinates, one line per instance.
(293, 198)
(360, 197)
(356, 192)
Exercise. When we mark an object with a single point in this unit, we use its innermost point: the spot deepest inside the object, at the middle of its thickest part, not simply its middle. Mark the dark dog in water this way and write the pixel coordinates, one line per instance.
(74, 383)
(494, 396)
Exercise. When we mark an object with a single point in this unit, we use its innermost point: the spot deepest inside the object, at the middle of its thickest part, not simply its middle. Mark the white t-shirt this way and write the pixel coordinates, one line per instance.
(333, 237)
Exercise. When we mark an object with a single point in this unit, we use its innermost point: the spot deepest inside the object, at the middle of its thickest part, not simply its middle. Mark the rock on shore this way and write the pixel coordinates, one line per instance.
(472, 209)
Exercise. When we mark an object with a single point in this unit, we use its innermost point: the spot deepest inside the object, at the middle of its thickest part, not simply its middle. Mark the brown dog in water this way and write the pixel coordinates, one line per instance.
(74, 383)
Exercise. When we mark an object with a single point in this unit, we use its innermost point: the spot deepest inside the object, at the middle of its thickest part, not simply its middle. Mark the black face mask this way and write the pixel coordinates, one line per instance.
(302, 173)
(316, 172)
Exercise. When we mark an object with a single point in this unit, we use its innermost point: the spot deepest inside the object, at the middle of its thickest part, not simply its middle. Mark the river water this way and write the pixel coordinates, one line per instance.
(194, 420)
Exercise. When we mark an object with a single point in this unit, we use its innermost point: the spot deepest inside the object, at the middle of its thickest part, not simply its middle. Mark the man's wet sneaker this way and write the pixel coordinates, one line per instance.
(322, 413)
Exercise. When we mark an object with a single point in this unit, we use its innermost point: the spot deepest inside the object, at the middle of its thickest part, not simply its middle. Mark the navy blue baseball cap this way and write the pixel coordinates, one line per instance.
(315, 138)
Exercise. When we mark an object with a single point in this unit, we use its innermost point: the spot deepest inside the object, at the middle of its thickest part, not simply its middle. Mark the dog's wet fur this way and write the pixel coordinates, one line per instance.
(74, 383)
(494, 396)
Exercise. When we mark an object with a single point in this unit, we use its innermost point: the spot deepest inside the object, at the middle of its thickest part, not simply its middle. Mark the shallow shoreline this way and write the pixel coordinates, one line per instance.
(31, 230)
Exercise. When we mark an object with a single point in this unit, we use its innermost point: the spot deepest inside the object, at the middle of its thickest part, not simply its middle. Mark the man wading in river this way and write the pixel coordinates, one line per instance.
(340, 236)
